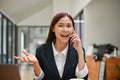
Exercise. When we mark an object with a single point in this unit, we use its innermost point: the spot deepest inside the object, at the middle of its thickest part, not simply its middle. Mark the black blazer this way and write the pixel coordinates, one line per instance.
(46, 59)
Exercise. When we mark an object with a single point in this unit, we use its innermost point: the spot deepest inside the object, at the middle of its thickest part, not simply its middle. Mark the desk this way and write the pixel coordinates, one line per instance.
(93, 67)
(111, 71)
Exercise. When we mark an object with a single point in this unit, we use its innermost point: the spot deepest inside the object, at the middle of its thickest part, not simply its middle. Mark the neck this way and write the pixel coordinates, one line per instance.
(60, 46)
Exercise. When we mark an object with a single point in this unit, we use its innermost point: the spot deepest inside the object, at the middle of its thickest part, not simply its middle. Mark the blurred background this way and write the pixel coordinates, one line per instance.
(24, 24)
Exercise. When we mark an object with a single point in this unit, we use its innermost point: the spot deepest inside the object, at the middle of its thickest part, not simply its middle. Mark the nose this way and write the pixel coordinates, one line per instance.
(65, 28)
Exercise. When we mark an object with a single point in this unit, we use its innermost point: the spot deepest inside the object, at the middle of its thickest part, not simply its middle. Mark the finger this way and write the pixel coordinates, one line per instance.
(74, 32)
(25, 59)
(16, 57)
(72, 35)
(19, 58)
(28, 58)
(72, 38)
(25, 52)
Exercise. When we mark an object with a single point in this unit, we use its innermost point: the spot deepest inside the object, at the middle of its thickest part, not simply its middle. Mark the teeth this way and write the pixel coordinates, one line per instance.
(64, 35)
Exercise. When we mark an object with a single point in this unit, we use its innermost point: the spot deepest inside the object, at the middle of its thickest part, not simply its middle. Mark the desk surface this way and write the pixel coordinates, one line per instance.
(111, 70)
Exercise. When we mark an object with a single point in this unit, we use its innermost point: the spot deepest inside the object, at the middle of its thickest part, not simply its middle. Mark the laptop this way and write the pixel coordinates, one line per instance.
(9, 72)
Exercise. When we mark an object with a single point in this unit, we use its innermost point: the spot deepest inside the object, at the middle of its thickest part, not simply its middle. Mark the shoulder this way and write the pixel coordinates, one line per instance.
(42, 49)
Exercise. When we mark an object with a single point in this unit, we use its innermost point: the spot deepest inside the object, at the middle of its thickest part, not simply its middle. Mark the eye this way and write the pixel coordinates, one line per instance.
(60, 25)
(69, 25)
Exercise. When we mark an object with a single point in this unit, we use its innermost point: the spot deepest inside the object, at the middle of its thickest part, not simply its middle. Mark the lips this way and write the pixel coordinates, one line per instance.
(64, 35)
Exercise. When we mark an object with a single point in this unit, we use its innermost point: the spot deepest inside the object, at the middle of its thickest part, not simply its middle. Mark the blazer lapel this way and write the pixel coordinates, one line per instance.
(69, 59)
(51, 59)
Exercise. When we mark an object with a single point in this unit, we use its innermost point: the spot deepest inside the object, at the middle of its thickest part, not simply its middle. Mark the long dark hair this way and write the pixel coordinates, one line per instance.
(56, 18)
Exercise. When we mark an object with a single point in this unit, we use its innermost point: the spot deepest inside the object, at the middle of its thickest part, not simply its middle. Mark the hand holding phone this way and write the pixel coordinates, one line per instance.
(75, 40)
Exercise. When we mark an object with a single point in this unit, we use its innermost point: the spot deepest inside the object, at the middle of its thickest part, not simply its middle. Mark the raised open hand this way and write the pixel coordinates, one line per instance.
(29, 58)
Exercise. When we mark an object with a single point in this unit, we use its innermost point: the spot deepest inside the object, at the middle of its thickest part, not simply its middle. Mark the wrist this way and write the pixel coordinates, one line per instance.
(80, 50)
(35, 62)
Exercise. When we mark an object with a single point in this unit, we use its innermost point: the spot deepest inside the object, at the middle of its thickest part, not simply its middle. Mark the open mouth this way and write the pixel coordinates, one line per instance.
(65, 35)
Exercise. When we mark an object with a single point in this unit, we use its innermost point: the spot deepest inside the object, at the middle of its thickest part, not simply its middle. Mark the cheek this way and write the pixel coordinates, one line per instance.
(56, 32)
(71, 30)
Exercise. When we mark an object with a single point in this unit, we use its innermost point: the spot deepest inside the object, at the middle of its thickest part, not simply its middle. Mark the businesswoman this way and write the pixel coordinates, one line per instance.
(62, 56)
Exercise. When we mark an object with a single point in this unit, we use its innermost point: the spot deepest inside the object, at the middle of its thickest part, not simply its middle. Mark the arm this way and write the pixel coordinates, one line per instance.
(29, 58)
(81, 62)
(76, 42)
(83, 73)
(81, 70)
(37, 69)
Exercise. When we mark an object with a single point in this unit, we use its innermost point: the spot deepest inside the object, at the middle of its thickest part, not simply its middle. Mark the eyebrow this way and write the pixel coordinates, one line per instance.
(63, 23)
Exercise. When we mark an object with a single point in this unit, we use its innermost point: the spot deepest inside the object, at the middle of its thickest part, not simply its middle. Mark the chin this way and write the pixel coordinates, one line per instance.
(65, 41)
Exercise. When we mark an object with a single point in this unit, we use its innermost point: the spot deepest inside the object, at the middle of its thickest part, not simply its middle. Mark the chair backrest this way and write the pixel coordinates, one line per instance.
(9, 72)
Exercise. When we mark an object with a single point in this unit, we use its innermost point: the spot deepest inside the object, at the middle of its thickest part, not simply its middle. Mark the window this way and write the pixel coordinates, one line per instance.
(7, 40)
(31, 37)
(79, 26)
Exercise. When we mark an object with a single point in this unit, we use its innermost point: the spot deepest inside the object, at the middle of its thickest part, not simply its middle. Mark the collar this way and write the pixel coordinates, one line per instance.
(64, 52)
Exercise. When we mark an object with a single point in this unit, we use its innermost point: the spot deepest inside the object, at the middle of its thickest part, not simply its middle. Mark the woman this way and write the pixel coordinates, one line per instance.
(62, 56)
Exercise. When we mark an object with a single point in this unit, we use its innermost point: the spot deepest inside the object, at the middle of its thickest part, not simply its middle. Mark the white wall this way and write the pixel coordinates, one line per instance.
(78, 5)
(73, 7)
(61, 6)
(42, 18)
(102, 22)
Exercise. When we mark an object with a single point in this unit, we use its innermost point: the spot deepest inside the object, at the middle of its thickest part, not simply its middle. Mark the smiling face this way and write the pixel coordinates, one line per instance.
(63, 29)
